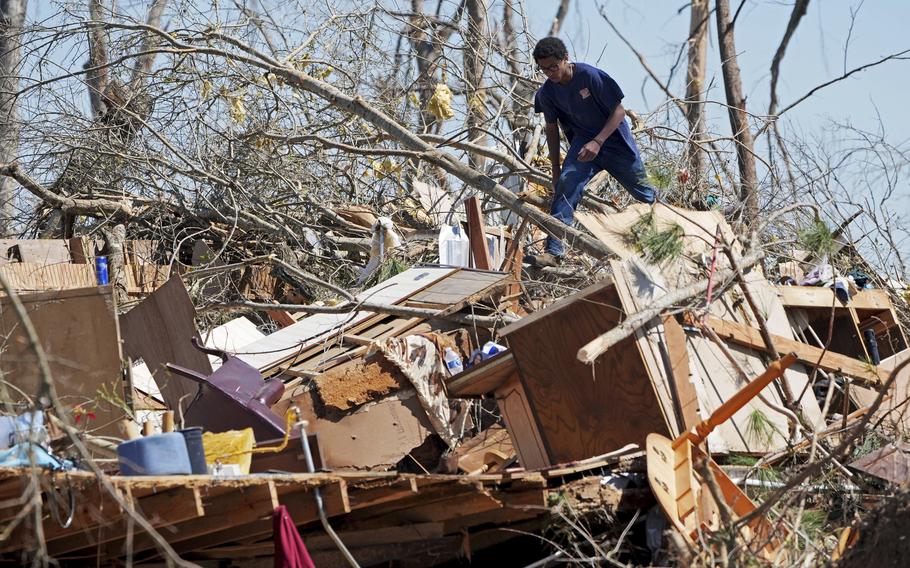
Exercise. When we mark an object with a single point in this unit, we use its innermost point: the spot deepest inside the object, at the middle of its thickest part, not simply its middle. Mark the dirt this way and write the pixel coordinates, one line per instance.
(353, 384)
(883, 540)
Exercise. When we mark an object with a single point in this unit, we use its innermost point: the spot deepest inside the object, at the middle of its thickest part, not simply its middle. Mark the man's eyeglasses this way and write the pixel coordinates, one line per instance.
(548, 68)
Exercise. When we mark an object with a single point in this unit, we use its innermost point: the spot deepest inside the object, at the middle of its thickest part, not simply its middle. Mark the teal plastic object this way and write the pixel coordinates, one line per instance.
(161, 454)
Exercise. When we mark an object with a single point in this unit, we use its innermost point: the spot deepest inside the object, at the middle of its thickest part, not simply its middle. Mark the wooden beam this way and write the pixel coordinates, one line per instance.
(817, 297)
(826, 360)
(484, 378)
(477, 233)
(238, 506)
(162, 509)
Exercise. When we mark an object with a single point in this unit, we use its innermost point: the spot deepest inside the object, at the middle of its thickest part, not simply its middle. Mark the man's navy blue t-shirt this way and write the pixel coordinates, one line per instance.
(583, 106)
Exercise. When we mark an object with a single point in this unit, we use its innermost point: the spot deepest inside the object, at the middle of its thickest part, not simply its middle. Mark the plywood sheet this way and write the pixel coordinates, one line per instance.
(285, 343)
(699, 228)
(79, 333)
(158, 331)
(582, 410)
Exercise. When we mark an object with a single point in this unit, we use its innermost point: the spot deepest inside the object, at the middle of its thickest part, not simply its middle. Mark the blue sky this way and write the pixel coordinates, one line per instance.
(815, 54)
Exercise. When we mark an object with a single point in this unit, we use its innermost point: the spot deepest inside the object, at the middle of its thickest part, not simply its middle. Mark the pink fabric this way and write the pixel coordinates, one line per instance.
(290, 552)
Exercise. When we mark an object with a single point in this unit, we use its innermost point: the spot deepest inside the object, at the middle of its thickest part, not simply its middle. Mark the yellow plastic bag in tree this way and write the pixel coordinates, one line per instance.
(440, 104)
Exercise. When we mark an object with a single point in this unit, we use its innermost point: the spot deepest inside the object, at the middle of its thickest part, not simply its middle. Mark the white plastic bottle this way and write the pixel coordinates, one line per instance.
(453, 361)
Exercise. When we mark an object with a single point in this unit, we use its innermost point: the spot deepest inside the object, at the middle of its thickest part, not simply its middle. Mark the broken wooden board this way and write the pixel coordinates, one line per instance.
(891, 463)
(485, 452)
(819, 297)
(483, 378)
(637, 285)
(286, 343)
(79, 334)
(813, 356)
(35, 251)
(158, 331)
(894, 412)
(698, 236)
(582, 410)
(31, 277)
(460, 288)
(477, 234)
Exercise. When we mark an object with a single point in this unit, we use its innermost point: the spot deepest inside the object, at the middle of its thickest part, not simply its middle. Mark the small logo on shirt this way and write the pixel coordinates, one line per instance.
(585, 93)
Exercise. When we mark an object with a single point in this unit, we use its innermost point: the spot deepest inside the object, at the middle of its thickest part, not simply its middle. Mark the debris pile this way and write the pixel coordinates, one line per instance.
(440, 411)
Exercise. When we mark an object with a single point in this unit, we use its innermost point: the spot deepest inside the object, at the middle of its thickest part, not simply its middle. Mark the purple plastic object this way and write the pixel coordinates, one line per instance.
(234, 397)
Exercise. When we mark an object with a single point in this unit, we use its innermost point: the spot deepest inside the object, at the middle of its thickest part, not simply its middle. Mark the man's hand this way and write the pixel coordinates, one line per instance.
(589, 151)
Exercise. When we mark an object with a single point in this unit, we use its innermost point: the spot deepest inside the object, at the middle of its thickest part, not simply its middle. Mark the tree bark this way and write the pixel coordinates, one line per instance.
(736, 108)
(12, 15)
(695, 85)
(475, 58)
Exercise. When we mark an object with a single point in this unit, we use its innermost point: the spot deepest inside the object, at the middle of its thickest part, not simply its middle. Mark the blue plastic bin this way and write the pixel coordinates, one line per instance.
(162, 454)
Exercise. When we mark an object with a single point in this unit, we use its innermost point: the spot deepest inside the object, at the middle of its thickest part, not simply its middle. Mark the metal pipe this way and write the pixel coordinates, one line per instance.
(318, 496)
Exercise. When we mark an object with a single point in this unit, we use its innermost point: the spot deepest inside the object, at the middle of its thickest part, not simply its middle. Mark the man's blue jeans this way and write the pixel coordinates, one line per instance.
(625, 167)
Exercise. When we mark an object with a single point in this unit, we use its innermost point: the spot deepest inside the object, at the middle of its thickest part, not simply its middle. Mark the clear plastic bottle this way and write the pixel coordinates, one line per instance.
(453, 361)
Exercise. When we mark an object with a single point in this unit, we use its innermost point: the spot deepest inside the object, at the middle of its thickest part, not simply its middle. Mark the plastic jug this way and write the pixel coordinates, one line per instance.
(454, 246)
(453, 361)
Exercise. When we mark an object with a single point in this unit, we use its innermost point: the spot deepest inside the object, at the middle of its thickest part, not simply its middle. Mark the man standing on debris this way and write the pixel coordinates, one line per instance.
(586, 102)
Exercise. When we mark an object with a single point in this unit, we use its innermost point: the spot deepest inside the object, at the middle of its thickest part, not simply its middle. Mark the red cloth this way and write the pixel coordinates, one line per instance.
(290, 552)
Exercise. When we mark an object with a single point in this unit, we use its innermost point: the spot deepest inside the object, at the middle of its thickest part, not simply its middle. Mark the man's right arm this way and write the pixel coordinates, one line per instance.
(552, 130)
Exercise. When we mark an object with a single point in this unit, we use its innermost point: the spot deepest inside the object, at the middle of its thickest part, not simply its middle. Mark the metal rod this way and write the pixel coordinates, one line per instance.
(317, 494)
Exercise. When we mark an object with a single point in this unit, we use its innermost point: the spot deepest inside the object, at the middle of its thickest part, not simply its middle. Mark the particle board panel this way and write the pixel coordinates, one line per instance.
(79, 334)
(521, 424)
(285, 343)
(582, 410)
(484, 378)
(158, 331)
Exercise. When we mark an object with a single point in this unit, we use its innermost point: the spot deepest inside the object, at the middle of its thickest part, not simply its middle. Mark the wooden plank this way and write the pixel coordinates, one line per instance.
(685, 397)
(635, 293)
(167, 508)
(483, 378)
(239, 506)
(521, 423)
(582, 410)
(477, 234)
(301, 505)
(829, 361)
(818, 297)
(158, 331)
(41, 251)
(79, 334)
(460, 287)
(31, 277)
(285, 343)
(81, 251)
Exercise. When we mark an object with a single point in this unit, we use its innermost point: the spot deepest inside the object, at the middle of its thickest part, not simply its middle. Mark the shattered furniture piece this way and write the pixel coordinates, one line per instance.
(79, 334)
(681, 489)
(234, 397)
(713, 374)
(345, 392)
(574, 410)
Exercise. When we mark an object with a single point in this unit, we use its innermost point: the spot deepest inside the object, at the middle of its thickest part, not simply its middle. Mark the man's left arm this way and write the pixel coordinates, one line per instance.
(590, 150)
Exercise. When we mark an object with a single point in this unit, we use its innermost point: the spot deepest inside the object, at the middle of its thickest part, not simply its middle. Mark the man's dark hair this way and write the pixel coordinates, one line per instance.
(550, 47)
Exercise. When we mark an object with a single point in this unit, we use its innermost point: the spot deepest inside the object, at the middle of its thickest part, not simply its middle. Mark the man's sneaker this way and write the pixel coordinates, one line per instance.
(543, 260)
